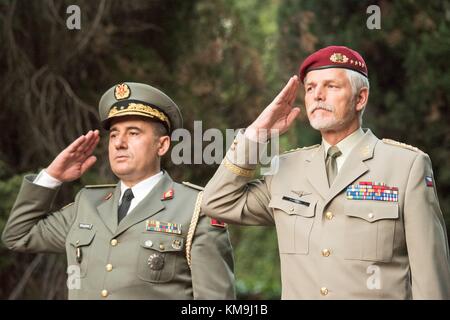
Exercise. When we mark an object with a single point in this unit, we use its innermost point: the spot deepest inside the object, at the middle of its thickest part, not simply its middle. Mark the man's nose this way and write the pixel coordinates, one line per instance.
(120, 142)
(319, 93)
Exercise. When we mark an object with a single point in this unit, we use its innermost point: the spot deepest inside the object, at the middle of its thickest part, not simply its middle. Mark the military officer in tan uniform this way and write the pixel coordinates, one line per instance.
(143, 238)
(356, 217)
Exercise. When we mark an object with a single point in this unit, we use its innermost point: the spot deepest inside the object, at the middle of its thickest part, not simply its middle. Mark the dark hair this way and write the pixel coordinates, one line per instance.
(159, 129)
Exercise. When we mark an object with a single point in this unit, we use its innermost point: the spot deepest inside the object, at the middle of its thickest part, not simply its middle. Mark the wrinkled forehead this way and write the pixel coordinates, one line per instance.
(326, 75)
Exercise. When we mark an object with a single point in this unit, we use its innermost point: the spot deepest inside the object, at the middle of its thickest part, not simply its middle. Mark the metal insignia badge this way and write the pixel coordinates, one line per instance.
(155, 261)
(122, 91)
(338, 58)
(176, 244)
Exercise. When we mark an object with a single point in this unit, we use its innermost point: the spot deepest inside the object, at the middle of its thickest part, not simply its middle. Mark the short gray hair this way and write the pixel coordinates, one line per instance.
(358, 81)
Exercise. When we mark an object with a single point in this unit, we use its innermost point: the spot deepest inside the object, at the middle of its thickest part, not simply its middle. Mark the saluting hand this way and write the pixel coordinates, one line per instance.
(76, 159)
(278, 115)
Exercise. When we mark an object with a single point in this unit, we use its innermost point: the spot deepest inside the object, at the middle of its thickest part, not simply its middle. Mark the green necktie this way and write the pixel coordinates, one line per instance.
(330, 163)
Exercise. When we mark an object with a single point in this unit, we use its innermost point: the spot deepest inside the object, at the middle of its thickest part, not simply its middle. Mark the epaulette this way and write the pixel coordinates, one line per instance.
(97, 186)
(401, 144)
(68, 205)
(193, 186)
(302, 148)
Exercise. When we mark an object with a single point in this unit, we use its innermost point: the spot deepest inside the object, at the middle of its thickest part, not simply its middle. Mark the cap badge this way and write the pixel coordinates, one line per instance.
(338, 58)
(122, 91)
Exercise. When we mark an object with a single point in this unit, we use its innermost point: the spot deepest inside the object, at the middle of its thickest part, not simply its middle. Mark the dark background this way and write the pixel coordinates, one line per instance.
(222, 61)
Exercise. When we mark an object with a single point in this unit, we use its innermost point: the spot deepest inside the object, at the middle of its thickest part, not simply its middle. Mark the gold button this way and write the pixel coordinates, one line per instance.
(104, 293)
(370, 215)
(114, 242)
(326, 252)
(109, 267)
(78, 242)
(161, 246)
(329, 215)
(323, 291)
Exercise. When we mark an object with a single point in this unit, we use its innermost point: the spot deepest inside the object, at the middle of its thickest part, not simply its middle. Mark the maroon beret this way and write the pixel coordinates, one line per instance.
(333, 57)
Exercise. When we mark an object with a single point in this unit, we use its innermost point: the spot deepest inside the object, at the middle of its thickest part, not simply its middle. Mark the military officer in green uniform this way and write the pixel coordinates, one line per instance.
(357, 217)
(143, 238)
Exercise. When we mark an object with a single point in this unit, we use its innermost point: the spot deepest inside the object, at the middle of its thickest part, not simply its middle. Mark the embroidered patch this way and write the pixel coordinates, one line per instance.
(217, 223)
(372, 191)
(429, 181)
(167, 227)
(167, 195)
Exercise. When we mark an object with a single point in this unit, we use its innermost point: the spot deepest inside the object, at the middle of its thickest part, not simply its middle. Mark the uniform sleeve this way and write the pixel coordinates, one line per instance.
(30, 227)
(212, 262)
(232, 195)
(426, 236)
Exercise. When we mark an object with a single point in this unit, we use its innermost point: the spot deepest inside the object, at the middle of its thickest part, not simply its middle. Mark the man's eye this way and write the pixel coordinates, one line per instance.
(134, 133)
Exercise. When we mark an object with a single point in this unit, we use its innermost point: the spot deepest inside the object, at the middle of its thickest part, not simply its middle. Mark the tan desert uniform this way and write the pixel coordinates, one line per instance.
(164, 248)
(334, 247)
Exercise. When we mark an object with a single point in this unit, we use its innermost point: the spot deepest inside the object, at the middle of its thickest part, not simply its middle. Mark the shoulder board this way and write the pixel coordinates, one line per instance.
(302, 148)
(193, 186)
(66, 206)
(401, 144)
(98, 186)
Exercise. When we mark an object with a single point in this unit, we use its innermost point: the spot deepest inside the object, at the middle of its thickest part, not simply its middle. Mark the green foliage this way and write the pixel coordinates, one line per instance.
(222, 62)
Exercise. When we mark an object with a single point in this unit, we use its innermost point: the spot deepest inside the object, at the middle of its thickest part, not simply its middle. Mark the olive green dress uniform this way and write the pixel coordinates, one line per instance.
(164, 248)
(126, 260)
(332, 246)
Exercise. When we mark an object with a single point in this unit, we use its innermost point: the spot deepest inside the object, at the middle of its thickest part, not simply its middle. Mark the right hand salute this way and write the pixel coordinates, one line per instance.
(76, 159)
(278, 115)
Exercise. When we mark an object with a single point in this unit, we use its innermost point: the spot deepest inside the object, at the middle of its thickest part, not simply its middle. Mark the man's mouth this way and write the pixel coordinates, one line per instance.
(121, 157)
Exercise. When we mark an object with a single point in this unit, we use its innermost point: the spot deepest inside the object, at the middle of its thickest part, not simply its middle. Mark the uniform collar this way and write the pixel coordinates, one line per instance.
(347, 144)
(143, 188)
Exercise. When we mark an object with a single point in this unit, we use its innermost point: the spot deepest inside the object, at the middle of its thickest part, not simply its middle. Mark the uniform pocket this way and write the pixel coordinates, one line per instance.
(369, 230)
(81, 247)
(158, 254)
(294, 221)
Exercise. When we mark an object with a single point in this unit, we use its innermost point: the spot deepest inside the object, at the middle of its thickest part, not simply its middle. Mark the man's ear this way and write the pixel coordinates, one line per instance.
(361, 99)
(164, 144)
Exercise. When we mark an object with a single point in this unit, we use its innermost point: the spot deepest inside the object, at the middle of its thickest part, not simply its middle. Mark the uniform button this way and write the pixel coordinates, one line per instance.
(329, 215)
(326, 252)
(161, 246)
(114, 242)
(292, 209)
(104, 293)
(148, 243)
(323, 291)
(109, 267)
(370, 215)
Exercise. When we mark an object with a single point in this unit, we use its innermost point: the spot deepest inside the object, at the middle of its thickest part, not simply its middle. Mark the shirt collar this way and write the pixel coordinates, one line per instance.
(141, 189)
(346, 145)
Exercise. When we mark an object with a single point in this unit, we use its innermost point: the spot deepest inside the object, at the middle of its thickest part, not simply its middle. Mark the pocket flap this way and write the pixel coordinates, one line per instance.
(161, 242)
(82, 238)
(292, 205)
(371, 211)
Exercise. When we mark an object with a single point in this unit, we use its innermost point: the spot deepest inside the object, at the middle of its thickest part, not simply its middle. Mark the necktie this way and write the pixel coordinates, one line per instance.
(125, 205)
(330, 163)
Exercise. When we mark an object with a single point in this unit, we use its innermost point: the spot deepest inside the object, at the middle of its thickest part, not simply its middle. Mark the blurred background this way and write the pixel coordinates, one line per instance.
(222, 61)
